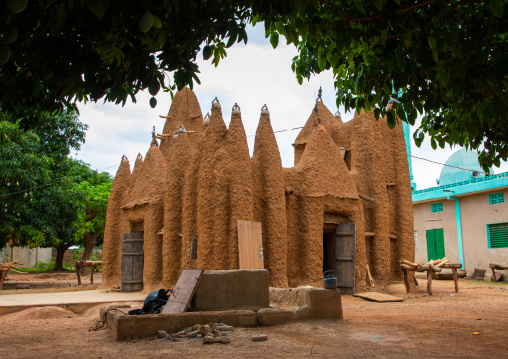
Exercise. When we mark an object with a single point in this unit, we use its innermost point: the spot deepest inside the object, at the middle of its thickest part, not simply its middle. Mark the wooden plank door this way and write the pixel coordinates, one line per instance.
(132, 262)
(185, 288)
(345, 251)
(435, 244)
(250, 245)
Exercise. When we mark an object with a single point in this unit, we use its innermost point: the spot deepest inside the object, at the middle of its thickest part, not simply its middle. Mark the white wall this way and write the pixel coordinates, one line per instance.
(25, 255)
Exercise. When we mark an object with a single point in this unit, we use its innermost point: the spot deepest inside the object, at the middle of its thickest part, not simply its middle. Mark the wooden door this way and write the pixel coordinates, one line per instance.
(250, 245)
(435, 244)
(345, 250)
(132, 262)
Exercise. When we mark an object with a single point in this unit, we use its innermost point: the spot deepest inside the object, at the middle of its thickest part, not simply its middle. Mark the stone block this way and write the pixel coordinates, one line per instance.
(325, 303)
(268, 316)
(232, 289)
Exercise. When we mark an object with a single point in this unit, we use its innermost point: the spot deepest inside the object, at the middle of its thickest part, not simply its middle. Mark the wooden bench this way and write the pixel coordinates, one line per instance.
(90, 264)
(498, 266)
(4, 270)
(431, 268)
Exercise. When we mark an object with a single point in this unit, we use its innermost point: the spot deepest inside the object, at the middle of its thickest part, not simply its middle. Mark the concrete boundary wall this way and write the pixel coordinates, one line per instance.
(28, 256)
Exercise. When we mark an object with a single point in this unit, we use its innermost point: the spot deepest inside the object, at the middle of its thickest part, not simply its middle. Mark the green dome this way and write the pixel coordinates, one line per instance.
(463, 159)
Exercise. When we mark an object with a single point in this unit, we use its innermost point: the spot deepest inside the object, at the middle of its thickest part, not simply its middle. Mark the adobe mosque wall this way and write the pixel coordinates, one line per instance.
(188, 193)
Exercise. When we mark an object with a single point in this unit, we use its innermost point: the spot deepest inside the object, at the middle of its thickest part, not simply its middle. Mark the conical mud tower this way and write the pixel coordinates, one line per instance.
(344, 205)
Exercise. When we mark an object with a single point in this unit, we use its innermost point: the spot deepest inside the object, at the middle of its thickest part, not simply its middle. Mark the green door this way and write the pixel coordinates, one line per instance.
(435, 244)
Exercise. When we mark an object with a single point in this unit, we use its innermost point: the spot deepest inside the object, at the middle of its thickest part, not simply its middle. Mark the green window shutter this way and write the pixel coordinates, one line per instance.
(437, 207)
(495, 198)
(497, 235)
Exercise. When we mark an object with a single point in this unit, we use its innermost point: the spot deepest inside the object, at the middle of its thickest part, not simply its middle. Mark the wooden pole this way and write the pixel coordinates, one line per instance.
(406, 282)
(78, 274)
(91, 273)
(455, 279)
(430, 274)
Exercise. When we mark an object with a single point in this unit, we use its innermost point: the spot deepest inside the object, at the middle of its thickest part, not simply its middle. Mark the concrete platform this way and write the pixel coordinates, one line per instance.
(76, 301)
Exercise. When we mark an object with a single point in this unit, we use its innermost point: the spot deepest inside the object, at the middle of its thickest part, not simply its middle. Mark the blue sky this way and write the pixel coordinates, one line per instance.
(251, 75)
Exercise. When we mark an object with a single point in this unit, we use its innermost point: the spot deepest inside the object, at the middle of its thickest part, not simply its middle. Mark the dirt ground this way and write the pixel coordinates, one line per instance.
(422, 326)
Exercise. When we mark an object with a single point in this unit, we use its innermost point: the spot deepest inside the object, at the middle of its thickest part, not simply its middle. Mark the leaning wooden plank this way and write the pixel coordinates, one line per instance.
(179, 300)
(378, 297)
(369, 276)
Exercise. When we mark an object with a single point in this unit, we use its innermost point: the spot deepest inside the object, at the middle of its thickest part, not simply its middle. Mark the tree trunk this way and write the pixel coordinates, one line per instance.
(60, 251)
(90, 239)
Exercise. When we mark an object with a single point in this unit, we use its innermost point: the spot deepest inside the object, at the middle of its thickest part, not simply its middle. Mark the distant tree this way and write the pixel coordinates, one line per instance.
(22, 169)
(40, 190)
(96, 188)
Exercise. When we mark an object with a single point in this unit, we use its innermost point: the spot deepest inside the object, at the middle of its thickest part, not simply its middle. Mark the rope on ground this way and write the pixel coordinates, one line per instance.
(102, 321)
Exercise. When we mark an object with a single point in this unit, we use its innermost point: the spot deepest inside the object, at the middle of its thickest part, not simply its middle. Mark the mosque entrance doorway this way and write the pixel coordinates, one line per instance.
(339, 245)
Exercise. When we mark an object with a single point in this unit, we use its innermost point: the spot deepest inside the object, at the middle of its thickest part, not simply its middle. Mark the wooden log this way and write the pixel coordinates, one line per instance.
(424, 268)
(409, 263)
(370, 234)
(442, 263)
(500, 266)
(452, 265)
(393, 236)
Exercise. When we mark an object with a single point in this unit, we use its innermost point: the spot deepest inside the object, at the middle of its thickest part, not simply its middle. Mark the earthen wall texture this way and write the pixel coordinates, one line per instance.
(188, 195)
(112, 247)
(270, 201)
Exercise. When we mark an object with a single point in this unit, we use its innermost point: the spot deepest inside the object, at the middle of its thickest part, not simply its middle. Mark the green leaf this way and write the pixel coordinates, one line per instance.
(232, 39)
(5, 54)
(322, 62)
(435, 55)
(274, 39)
(378, 4)
(153, 102)
(432, 43)
(101, 9)
(17, 6)
(146, 21)
(359, 6)
(496, 6)
(207, 52)
(10, 34)
(157, 23)
(377, 112)
(390, 118)
(61, 13)
(384, 35)
(407, 43)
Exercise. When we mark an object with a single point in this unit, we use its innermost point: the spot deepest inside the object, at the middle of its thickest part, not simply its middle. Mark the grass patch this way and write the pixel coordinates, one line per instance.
(45, 267)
